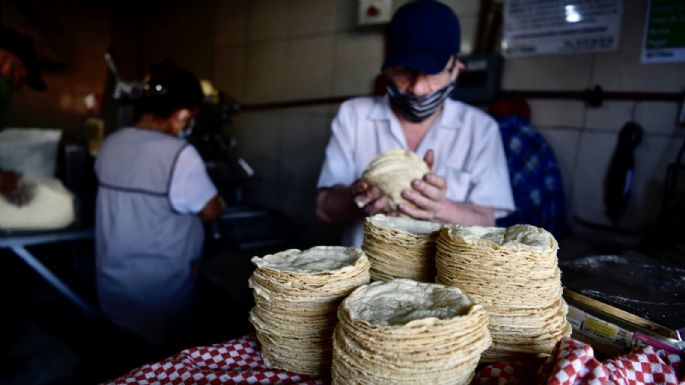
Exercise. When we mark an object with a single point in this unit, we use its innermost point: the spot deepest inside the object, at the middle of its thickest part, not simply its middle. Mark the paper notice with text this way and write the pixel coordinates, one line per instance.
(544, 27)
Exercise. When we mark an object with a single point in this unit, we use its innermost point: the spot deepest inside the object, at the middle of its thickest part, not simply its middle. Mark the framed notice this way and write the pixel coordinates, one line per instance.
(664, 40)
(544, 27)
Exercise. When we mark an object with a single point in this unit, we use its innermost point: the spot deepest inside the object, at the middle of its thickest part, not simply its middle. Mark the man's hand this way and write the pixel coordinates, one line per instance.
(428, 201)
(428, 196)
(346, 204)
(369, 199)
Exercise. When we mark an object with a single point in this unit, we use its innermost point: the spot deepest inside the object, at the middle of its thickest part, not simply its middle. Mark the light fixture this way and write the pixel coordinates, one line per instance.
(572, 14)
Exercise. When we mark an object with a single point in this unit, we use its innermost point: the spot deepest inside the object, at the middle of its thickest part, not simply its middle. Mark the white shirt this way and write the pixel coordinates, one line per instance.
(466, 143)
(191, 189)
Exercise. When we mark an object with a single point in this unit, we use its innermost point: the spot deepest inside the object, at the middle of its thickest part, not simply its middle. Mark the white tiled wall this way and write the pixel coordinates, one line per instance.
(654, 117)
(658, 117)
(265, 75)
(231, 22)
(230, 69)
(564, 141)
(286, 149)
(346, 15)
(584, 137)
(310, 17)
(611, 115)
(266, 20)
(566, 113)
(351, 75)
(651, 159)
(564, 72)
(259, 137)
(303, 143)
(594, 153)
(584, 165)
(309, 67)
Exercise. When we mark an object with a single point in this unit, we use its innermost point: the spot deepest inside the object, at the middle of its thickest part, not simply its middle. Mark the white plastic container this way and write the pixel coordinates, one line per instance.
(29, 151)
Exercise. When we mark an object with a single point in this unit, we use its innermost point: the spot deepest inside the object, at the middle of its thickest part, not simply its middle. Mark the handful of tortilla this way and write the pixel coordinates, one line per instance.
(392, 172)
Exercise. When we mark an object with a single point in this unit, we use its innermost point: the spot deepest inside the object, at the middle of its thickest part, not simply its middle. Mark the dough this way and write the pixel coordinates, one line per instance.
(50, 206)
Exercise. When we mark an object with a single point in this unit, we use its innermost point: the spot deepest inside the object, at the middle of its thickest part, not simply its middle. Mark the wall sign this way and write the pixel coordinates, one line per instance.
(539, 27)
(664, 40)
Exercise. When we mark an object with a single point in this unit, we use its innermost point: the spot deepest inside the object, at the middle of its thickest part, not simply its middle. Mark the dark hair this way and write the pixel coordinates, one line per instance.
(170, 88)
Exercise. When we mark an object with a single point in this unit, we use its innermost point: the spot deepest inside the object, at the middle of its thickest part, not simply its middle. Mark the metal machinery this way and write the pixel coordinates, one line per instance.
(246, 227)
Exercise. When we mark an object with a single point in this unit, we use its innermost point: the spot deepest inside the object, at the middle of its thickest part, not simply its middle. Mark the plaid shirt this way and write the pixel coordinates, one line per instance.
(535, 178)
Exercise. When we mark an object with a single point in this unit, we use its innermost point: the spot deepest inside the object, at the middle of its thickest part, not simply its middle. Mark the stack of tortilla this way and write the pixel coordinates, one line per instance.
(400, 248)
(407, 332)
(513, 273)
(392, 172)
(296, 296)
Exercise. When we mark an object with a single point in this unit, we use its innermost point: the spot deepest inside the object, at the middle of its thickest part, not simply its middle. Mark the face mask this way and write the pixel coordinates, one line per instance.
(418, 108)
(185, 134)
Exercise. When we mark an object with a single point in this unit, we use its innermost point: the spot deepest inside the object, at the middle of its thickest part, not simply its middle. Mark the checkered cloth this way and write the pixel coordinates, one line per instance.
(573, 363)
(234, 362)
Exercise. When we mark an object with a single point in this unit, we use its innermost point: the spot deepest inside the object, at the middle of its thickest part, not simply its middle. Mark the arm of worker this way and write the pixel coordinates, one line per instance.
(191, 191)
(342, 198)
(428, 201)
(344, 204)
(10, 188)
(212, 209)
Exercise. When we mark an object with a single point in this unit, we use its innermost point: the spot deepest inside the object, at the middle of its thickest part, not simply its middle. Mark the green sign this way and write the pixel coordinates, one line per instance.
(665, 32)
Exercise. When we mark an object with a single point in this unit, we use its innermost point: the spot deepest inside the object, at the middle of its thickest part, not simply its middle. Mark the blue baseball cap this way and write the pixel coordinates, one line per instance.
(422, 35)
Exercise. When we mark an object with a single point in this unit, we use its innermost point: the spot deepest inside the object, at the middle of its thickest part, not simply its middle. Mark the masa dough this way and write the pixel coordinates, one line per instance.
(51, 206)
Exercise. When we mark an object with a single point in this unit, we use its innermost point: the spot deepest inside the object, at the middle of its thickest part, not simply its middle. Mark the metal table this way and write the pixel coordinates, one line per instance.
(17, 242)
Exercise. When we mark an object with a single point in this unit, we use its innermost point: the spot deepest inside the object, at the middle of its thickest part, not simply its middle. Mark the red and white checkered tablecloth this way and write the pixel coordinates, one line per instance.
(572, 363)
(234, 362)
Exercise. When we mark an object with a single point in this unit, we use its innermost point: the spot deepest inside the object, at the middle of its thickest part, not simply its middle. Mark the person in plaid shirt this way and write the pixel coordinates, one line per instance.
(533, 169)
